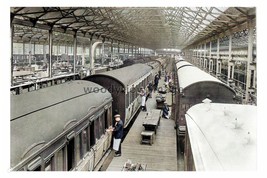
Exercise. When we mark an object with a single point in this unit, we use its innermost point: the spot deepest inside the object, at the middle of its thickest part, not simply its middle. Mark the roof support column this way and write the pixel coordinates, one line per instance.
(11, 56)
(118, 49)
(44, 52)
(83, 55)
(218, 63)
(33, 51)
(30, 53)
(250, 80)
(132, 52)
(229, 59)
(124, 49)
(144, 52)
(74, 52)
(210, 65)
(90, 50)
(198, 58)
(205, 57)
(111, 54)
(50, 39)
(202, 57)
(103, 52)
(195, 55)
(23, 49)
(92, 60)
(197, 52)
(57, 51)
(210, 60)
(66, 50)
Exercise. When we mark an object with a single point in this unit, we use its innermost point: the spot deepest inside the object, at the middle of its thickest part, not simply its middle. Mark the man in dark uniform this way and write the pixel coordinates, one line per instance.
(118, 134)
(165, 111)
(150, 89)
(156, 81)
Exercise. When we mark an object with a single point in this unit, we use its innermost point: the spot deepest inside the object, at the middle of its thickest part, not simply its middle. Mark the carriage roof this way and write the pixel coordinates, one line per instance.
(41, 115)
(223, 136)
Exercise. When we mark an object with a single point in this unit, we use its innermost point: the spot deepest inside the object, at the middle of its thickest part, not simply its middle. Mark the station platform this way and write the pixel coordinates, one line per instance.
(161, 155)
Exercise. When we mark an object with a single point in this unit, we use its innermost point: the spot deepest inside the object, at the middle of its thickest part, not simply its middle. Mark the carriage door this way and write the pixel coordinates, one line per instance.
(70, 151)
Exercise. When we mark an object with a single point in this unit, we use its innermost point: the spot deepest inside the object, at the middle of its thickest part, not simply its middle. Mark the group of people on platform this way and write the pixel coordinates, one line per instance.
(117, 128)
(144, 95)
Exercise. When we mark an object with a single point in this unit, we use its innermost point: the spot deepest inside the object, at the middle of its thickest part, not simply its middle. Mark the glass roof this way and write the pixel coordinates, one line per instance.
(149, 27)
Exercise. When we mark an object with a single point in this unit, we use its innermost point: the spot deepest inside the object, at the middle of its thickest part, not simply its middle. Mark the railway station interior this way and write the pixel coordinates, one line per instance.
(72, 70)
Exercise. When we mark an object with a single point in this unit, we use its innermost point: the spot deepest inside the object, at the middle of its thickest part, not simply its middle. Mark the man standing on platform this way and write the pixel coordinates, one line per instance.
(143, 99)
(156, 82)
(118, 134)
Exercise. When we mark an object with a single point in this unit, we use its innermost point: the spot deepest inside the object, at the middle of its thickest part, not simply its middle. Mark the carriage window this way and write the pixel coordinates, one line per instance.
(88, 139)
(78, 148)
(97, 132)
(135, 92)
(100, 125)
(127, 100)
(110, 121)
(59, 166)
(252, 79)
(83, 142)
(146, 81)
(70, 151)
(106, 119)
(92, 134)
(131, 96)
(102, 121)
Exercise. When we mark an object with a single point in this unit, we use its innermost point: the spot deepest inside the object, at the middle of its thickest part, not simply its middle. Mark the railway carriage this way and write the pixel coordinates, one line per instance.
(221, 137)
(42, 83)
(195, 85)
(124, 85)
(155, 65)
(60, 128)
(162, 61)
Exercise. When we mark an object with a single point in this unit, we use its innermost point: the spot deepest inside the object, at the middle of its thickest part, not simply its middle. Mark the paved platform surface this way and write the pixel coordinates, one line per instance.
(161, 155)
